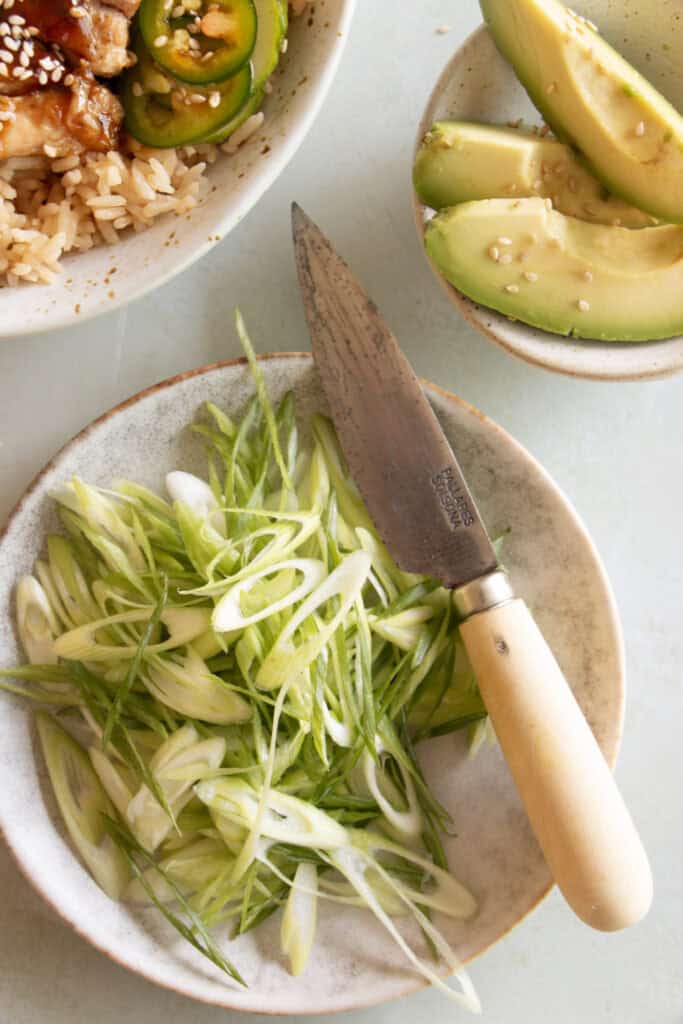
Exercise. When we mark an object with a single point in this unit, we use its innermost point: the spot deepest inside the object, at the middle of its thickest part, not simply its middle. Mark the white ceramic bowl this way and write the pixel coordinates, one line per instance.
(479, 85)
(143, 261)
(553, 564)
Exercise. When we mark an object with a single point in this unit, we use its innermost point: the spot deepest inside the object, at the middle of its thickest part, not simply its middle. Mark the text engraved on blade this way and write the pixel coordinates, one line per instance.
(452, 498)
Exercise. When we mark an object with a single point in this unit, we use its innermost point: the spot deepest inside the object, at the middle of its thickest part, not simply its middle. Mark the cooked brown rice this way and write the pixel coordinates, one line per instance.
(51, 207)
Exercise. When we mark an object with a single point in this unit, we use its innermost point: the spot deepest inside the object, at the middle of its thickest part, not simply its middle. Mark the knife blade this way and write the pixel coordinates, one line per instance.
(396, 450)
(419, 500)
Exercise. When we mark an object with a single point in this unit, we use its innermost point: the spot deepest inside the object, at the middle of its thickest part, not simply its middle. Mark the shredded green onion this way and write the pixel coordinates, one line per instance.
(247, 672)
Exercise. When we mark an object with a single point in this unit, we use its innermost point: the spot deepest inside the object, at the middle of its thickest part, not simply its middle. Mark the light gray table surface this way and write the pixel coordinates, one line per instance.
(614, 448)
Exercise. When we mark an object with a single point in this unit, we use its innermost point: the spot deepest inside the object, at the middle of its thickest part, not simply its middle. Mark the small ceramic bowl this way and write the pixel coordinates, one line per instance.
(479, 85)
(554, 566)
(85, 288)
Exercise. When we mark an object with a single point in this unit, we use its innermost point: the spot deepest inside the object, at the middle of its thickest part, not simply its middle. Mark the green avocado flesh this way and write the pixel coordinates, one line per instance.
(526, 260)
(630, 135)
(459, 162)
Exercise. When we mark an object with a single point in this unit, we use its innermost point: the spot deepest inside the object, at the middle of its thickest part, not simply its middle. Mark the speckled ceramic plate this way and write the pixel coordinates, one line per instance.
(144, 261)
(554, 565)
(479, 85)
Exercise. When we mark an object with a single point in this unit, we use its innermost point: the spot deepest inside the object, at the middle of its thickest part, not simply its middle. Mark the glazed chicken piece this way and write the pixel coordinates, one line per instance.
(127, 7)
(86, 30)
(33, 66)
(50, 50)
(58, 121)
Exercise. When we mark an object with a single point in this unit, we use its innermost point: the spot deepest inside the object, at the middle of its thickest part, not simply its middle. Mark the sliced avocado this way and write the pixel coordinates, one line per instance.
(524, 259)
(591, 97)
(459, 162)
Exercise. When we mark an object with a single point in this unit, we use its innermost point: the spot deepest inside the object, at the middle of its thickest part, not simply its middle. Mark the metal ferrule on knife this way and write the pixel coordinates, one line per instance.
(490, 591)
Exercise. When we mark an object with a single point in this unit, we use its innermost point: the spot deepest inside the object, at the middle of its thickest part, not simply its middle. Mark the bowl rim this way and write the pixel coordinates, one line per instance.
(260, 183)
(476, 314)
(414, 983)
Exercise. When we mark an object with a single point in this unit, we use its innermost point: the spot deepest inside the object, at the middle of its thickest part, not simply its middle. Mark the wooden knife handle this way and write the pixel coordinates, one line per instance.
(581, 822)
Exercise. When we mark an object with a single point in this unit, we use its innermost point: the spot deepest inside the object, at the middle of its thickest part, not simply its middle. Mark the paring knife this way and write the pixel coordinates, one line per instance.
(418, 498)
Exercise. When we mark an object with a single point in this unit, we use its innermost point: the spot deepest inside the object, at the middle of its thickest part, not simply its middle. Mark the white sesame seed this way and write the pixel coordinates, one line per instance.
(640, 129)
(214, 99)
(6, 57)
(504, 241)
(12, 44)
(443, 30)
(505, 258)
(530, 276)
(494, 253)
(72, 178)
(583, 306)
(160, 41)
(587, 276)
(513, 289)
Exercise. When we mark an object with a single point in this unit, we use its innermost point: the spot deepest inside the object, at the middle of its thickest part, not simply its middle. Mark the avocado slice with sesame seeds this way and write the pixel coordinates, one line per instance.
(628, 133)
(526, 260)
(459, 162)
